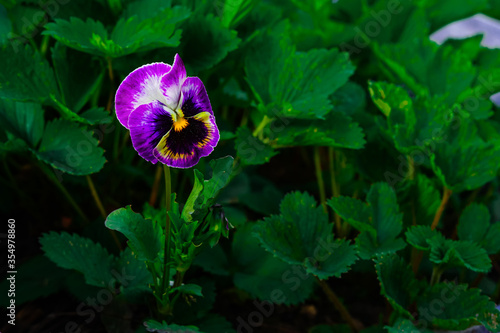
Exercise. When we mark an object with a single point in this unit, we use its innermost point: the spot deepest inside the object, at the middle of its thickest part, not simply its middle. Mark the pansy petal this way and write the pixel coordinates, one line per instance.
(184, 148)
(171, 83)
(142, 86)
(148, 123)
(207, 145)
(194, 97)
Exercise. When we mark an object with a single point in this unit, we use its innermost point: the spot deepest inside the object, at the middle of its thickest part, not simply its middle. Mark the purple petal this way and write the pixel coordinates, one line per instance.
(142, 86)
(148, 124)
(194, 98)
(184, 148)
(171, 83)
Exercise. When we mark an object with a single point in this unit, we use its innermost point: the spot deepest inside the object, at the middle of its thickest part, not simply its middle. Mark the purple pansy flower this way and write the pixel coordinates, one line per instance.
(168, 114)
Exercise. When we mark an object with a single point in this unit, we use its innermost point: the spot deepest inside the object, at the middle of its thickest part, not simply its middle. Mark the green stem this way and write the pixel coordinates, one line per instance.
(446, 195)
(45, 44)
(335, 188)
(95, 195)
(319, 177)
(258, 130)
(436, 275)
(338, 305)
(63, 190)
(166, 254)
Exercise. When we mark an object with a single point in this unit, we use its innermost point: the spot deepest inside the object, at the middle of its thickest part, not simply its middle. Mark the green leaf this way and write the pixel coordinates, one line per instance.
(81, 254)
(250, 149)
(163, 327)
(221, 173)
(355, 212)
(459, 253)
(441, 13)
(294, 84)
(490, 242)
(397, 282)
(385, 211)
(189, 289)
(393, 101)
(145, 236)
(406, 326)
(427, 200)
(199, 306)
(465, 162)
(233, 11)
(420, 237)
(205, 192)
(459, 308)
(75, 92)
(97, 115)
(135, 276)
(139, 29)
(70, 148)
(337, 130)
(22, 120)
(266, 277)
(474, 223)
(205, 32)
(25, 75)
(39, 277)
(302, 235)
(380, 222)
(429, 69)
(191, 206)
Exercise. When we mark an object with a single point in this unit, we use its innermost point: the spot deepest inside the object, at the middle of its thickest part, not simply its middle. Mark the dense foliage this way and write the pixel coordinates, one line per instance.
(354, 186)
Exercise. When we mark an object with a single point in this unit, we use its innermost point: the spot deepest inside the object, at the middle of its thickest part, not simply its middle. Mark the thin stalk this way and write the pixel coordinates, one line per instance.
(319, 177)
(335, 188)
(411, 164)
(112, 84)
(244, 118)
(332, 297)
(446, 196)
(156, 187)
(65, 192)
(436, 275)
(166, 254)
(102, 211)
(258, 130)
(45, 44)
(95, 195)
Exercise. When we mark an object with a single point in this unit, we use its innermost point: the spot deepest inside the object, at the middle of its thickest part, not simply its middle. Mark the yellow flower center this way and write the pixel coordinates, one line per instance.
(180, 124)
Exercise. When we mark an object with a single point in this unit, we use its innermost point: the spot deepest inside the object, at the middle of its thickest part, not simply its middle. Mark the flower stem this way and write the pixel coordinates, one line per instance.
(166, 254)
(332, 297)
(446, 195)
(319, 177)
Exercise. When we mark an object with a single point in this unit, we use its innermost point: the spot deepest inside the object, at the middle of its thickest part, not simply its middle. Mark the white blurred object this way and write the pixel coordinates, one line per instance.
(472, 26)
